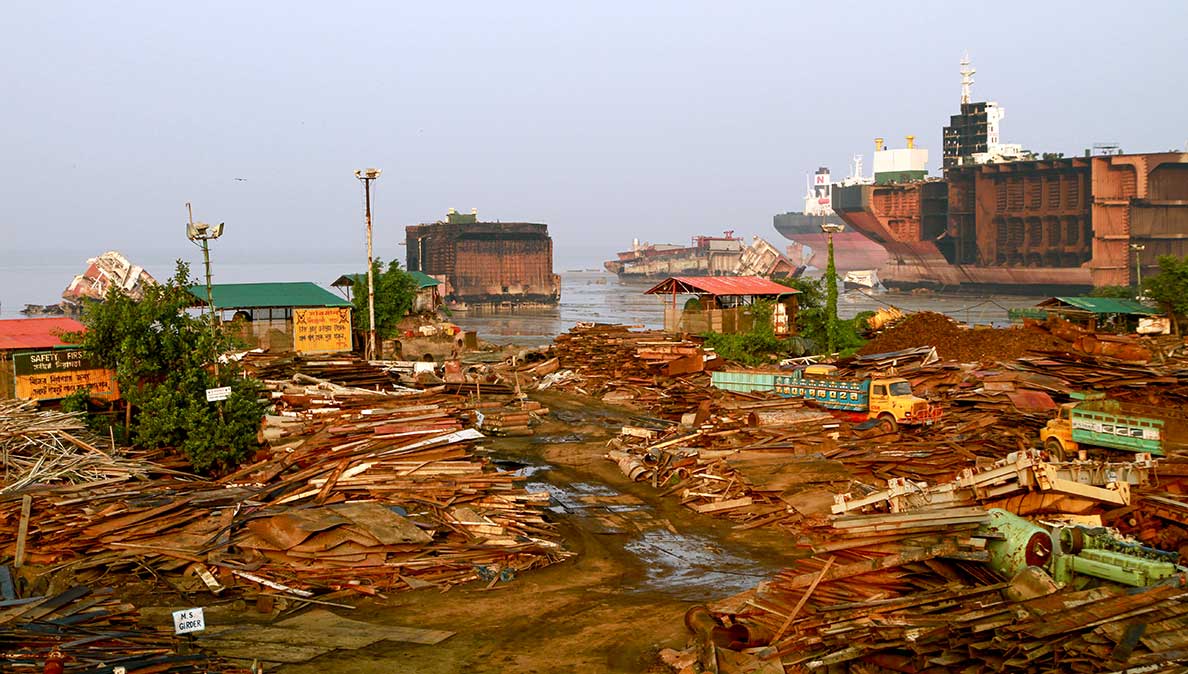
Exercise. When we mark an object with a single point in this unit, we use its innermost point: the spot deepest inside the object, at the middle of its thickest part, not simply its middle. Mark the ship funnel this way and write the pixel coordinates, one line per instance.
(911, 142)
(878, 144)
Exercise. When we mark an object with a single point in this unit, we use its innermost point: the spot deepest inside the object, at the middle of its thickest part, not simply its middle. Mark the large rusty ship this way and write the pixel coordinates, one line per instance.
(1007, 220)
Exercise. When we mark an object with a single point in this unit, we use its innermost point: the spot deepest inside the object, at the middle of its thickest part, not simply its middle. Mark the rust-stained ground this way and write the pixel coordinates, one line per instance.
(642, 562)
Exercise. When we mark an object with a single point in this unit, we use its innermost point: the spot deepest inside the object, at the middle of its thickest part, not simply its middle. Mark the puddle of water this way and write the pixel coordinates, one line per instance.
(686, 566)
(691, 566)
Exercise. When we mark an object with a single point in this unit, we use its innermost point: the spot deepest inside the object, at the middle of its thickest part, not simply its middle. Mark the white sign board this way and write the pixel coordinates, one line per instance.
(188, 620)
(220, 393)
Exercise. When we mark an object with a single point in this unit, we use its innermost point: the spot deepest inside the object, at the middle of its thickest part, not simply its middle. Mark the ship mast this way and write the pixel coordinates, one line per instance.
(967, 80)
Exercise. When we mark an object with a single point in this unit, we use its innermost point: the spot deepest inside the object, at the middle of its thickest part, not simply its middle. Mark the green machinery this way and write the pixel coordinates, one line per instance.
(1069, 554)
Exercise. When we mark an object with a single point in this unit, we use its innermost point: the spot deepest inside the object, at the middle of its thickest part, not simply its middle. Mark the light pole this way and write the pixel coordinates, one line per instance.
(202, 232)
(1138, 249)
(367, 175)
(831, 228)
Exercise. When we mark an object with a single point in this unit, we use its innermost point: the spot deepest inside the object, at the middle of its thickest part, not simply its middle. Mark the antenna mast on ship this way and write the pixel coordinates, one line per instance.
(967, 80)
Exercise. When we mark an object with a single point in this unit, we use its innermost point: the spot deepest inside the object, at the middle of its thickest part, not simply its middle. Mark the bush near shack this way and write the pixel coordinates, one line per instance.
(394, 294)
(164, 360)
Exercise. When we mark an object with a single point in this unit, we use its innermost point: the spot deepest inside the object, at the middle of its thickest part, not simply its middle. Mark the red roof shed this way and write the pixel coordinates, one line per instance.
(35, 333)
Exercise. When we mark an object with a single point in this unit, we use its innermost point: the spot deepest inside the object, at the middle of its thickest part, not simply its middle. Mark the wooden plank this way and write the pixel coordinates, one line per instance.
(723, 505)
(23, 530)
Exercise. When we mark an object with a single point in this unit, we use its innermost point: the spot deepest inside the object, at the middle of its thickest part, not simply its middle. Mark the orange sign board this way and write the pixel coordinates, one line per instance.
(322, 330)
(50, 375)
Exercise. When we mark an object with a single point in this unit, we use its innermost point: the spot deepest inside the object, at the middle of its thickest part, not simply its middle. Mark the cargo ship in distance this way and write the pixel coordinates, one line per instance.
(1007, 220)
(707, 256)
(808, 247)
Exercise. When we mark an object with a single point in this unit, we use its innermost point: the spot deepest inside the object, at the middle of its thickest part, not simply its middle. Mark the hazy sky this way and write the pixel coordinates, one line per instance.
(606, 120)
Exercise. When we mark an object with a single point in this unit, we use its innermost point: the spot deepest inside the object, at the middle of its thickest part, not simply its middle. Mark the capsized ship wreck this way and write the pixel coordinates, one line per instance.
(1007, 220)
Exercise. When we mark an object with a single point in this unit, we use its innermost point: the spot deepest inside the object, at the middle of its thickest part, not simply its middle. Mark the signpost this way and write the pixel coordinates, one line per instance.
(51, 375)
(220, 393)
(188, 620)
(322, 330)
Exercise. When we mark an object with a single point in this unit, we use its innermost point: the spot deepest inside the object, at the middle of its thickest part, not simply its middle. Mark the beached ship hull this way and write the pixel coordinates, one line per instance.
(1023, 226)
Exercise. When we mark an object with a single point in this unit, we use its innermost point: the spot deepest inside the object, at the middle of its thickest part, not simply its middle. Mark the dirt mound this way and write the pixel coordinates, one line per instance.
(955, 342)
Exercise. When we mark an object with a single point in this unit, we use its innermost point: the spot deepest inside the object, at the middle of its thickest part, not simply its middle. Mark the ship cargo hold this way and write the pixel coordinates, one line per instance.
(1036, 225)
(486, 264)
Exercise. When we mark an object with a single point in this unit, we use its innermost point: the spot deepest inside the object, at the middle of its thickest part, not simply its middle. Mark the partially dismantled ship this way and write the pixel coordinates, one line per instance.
(707, 256)
(1005, 219)
(486, 264)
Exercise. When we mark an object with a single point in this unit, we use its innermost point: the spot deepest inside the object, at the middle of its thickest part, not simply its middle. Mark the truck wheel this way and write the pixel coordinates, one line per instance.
(1055, 450)
(887, 422)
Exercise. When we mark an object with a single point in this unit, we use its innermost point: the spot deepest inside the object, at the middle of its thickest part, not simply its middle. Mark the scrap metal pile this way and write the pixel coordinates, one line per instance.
(85, 630)
(899, 573)
(358, 492)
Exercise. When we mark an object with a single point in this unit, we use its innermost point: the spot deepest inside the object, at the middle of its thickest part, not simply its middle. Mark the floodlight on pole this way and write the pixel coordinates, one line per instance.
(367, 175)
(831, 328)
(203, 232)
(1138, 249)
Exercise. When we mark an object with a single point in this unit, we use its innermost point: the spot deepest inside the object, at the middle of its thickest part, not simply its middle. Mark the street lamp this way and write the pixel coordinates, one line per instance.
(367, 175)
(831, 228)
(1138, 249)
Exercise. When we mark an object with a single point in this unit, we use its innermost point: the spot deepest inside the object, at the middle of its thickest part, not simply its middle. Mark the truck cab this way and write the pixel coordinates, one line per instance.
(891, 399)
(1056, 435)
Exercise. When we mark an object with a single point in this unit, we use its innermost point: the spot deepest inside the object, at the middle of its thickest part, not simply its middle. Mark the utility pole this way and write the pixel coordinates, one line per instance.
(831, 228)
(367, 175)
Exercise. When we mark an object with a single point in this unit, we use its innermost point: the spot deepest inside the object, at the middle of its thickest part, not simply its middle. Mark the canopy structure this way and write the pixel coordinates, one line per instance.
(1097, 305)
(721, 286)
(267, 295)
(722, 303)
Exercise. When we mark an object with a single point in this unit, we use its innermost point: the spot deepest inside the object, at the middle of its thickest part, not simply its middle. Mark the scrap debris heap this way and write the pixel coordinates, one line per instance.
(901, 571)
(358, 493)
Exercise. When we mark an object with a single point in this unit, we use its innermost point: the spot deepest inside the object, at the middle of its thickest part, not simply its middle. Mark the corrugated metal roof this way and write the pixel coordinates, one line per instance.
(35, 333)
(249, 295)
(1104, 305)
(720, 285)
(423, 280)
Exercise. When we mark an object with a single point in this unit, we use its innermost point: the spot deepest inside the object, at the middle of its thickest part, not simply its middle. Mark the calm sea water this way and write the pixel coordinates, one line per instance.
(585, 296)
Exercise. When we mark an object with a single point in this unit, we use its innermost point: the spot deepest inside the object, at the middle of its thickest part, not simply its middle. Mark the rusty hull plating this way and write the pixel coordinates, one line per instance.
(487, 264)
(1066, 223)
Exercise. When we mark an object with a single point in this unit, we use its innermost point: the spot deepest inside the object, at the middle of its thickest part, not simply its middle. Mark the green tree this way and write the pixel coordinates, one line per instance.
(164, 359)
(812, 318)
(1169, 288)
(395, 291)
